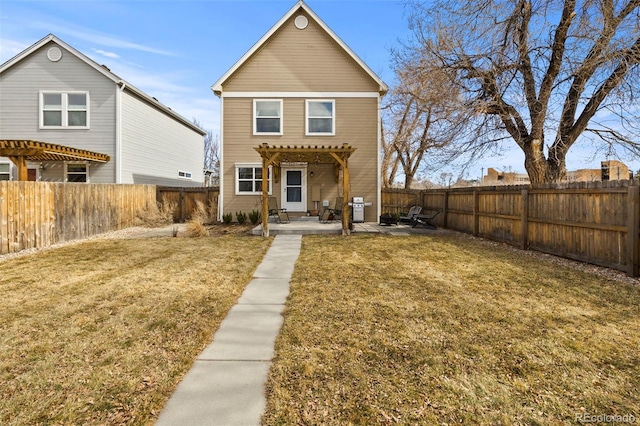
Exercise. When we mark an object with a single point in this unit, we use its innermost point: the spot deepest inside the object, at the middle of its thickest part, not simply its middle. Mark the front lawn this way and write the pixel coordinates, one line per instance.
(450, 330)
(101, 332)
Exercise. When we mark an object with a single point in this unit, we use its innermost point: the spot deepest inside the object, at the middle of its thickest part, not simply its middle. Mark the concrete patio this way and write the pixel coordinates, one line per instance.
(310, 225)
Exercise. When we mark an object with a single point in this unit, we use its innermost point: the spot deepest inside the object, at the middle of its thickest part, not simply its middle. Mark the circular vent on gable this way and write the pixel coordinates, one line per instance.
(301, 22)
(54, 54)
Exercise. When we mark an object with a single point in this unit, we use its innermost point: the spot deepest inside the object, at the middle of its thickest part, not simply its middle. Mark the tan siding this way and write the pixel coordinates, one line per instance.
(301, 60)
(356, 124)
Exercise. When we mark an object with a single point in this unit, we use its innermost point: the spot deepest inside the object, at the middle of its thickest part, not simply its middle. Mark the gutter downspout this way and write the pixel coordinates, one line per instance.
(121, 86)
(221, 167)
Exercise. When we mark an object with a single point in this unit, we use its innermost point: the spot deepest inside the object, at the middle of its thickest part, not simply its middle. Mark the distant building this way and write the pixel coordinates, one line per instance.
(609, 170)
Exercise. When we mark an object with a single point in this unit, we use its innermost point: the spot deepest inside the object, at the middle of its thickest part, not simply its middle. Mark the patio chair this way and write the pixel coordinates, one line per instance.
(276, 213)
(425, 219)
(334, 213)
(408, 217)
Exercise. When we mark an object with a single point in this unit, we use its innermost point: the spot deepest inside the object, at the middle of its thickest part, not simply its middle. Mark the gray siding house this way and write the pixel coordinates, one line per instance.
(52, 93)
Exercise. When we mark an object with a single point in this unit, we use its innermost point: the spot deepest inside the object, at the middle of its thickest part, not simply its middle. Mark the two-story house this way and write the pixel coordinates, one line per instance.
(301, 103)
(68, 119)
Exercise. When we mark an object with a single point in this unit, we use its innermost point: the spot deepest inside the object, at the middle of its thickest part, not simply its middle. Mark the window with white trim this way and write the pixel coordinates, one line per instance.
(76, 172)
(267, 116)
(184, 175)
(249, 179)
(64, 110)
(321, 115)
(5, 171)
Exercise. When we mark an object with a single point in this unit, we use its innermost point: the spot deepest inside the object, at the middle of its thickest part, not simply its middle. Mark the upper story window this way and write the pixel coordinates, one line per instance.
(64, 110)
(321, 117)
(267, 116)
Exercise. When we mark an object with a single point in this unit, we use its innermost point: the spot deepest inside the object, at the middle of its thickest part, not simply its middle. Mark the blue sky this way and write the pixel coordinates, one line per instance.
(175, 50)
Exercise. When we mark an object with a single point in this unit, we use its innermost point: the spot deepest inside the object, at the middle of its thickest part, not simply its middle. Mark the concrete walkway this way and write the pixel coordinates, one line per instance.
(225, 385)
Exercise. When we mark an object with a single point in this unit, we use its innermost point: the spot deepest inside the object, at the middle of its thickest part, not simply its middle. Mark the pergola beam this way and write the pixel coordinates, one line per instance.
(21, 151)
(275, 155)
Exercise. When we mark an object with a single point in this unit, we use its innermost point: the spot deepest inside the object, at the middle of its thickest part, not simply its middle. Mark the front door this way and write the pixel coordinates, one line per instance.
(294, 190)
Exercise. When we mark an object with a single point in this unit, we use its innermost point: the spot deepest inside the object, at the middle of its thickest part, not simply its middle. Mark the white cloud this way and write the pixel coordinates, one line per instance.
(111, 55)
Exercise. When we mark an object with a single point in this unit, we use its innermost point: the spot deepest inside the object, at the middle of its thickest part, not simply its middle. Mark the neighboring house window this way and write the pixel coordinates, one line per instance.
(321, 117)
(77, 172)
(267, 116)
(64, 110)
(184, 175)
(249, 179)
(5, 171)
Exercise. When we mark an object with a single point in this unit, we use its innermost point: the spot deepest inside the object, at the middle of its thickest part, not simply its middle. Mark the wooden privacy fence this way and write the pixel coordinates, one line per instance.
(39, 214)
(185, 200)
(595, 222)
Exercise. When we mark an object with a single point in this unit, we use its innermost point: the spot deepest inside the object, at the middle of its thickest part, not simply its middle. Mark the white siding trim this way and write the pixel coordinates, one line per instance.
(221, 168)
(379, 191)
(119, 90)
(300, 95)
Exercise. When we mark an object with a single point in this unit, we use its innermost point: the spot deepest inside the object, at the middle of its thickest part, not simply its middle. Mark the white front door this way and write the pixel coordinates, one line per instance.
(294, 190)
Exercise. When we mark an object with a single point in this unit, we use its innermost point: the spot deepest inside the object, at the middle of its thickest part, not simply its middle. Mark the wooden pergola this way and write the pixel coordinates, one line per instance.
(276, 155)
(21, 151)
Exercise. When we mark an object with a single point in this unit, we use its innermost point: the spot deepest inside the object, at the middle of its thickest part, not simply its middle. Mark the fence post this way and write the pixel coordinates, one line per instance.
(524, 220)
(476, 215)
(633, 218)
(445, 209)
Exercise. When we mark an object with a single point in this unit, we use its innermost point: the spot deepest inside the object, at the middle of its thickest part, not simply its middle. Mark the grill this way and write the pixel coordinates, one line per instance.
(357, 209)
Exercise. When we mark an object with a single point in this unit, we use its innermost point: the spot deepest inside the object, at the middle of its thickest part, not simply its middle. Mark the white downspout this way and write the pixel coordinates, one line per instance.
(379, 183)
(121, 86)
(221, 168)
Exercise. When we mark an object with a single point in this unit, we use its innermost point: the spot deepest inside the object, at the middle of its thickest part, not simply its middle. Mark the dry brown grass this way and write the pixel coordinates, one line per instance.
(443, 330)
(101, 332)
(156, 215)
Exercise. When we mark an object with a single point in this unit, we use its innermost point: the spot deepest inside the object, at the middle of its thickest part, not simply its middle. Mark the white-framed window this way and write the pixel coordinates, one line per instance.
(76, 172)
(249, 179)
(184, 175)
(321, 117)
(64, 110)
(267, 116)
(5, 171)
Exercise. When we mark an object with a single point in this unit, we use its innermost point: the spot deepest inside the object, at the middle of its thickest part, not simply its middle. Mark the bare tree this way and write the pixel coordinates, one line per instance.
(549, 70)
(420, 115)
(211, 155)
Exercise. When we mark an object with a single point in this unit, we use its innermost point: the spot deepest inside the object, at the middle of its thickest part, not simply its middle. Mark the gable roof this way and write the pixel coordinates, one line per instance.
(217, 86)
(102, 70)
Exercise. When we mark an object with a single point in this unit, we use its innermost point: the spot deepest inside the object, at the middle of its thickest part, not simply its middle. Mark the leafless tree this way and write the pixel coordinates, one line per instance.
(211, 154)
(542, 73)
(420, 117)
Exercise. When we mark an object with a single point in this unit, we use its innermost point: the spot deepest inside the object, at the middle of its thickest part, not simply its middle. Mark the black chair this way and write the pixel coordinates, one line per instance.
(408, 217)
(425, 219)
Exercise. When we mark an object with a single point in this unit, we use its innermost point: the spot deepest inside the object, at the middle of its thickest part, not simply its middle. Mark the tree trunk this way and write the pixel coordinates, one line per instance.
(541, 169)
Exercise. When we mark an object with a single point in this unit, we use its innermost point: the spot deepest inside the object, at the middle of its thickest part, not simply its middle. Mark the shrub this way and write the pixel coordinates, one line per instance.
(254, 217)
(156, 214)
(200, 213)
(195, 228)
(241, 217)
(227, 218)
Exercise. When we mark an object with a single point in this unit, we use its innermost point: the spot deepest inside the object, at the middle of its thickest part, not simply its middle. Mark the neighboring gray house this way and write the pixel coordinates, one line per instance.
(54, 94)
